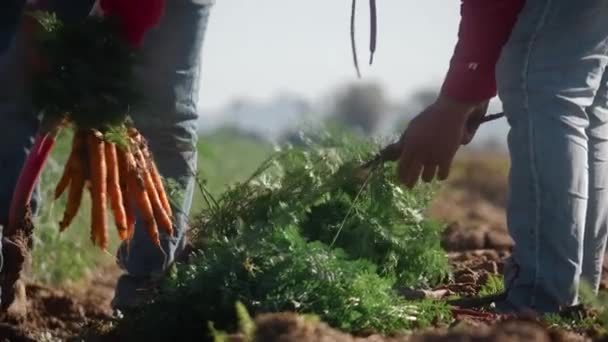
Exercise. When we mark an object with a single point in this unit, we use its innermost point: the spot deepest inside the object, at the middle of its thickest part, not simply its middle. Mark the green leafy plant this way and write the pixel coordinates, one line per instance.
(493, 285)
(309, 232)
(582, 324)
(84, 72)
(247, 327)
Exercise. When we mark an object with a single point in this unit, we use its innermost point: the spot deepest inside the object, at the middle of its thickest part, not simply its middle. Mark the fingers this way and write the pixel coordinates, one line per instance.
(444, 169)
(467, 137)
(412, 174)
(429, 172)
(411, 168)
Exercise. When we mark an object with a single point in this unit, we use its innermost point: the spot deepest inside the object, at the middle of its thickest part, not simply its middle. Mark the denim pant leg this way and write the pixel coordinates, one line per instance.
(596, 228)
(170, 81)
(9, 20)
(17, 119)
(548, 74)
(16, 115)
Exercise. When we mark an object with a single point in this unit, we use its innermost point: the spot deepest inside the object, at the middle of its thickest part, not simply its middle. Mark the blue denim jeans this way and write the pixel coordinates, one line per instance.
(553, 83)
(169, 76)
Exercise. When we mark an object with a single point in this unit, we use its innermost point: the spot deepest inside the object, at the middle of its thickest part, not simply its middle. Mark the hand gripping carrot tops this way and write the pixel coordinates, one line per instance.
(84, 81)
(81, 61)
(136, 16)
(70, 90)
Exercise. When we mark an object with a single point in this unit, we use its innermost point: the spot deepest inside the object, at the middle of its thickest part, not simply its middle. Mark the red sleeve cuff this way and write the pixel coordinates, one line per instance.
(136, 16)
(470, 82)
(484, 29)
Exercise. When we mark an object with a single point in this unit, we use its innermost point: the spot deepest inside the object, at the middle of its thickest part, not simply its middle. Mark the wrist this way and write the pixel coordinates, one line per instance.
(457, 109)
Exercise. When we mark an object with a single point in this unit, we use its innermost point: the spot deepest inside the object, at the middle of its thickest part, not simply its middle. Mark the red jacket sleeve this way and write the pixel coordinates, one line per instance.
(136, 16)
(485, 27)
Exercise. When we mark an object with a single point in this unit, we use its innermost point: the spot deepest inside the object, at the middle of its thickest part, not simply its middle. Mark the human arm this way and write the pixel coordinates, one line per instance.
(432, 138)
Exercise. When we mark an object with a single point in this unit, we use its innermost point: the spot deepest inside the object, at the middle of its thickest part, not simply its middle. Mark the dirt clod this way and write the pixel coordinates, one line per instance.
(292, 328)
(60, 314)
(16, 241)
(499, 240)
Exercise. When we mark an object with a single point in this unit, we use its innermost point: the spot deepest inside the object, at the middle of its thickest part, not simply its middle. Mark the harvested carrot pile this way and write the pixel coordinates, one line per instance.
(122, 178)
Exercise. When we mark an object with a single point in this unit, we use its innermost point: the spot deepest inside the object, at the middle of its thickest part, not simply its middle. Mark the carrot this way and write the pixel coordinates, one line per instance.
(126, 165)
(143, 202)
(98, 189)
(77, 183)
(114, 191)
(159, 212)
(149, 162)
(158, 183)
(76, 153)
(130, 211)
(65, 179)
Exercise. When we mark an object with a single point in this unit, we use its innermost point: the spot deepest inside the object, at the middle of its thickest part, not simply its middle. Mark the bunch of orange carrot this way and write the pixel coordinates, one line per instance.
(125, 177)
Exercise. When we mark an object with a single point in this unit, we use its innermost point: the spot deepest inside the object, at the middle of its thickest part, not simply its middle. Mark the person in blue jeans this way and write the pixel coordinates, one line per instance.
(547, 61)
(169, 77)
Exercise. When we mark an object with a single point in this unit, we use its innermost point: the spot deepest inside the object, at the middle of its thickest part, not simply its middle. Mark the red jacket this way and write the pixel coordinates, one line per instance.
(136, 16)
(484, 29)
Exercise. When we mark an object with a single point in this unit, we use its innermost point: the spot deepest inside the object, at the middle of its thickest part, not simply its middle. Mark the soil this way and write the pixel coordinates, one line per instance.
(292, 328)
(16, 240)
(62, 314)
(476, 240)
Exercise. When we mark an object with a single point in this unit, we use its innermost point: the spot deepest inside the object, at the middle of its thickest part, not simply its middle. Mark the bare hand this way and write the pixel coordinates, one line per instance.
(474, 121)
(431, 140)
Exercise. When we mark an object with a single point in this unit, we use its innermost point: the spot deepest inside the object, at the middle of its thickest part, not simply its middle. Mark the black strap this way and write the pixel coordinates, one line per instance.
(373, 13)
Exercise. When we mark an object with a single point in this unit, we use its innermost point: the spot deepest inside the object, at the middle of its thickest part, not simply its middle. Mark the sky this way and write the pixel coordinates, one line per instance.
(257, 49)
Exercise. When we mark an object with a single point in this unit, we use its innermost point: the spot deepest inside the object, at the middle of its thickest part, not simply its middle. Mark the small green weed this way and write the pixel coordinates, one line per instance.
(493, 285)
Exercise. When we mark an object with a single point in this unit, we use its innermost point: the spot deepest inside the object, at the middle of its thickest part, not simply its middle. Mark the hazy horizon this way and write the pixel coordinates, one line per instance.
(258, 50)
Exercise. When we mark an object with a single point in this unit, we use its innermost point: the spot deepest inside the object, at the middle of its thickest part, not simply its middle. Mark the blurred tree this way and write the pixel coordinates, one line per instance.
(416, 102)
(422, 98)
(361, 106)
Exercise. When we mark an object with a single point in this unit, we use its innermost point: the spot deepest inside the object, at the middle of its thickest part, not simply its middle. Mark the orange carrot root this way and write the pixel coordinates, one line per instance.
(145, 206)
(75, 154)
(160, 189)
(160, 215)
(126, 165)
(65, 179)
(74, 195)
(114, 190)
(98, 189)
(156, 179)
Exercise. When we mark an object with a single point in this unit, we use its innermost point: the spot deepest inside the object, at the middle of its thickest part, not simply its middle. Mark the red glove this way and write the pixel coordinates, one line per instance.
(136, 16)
